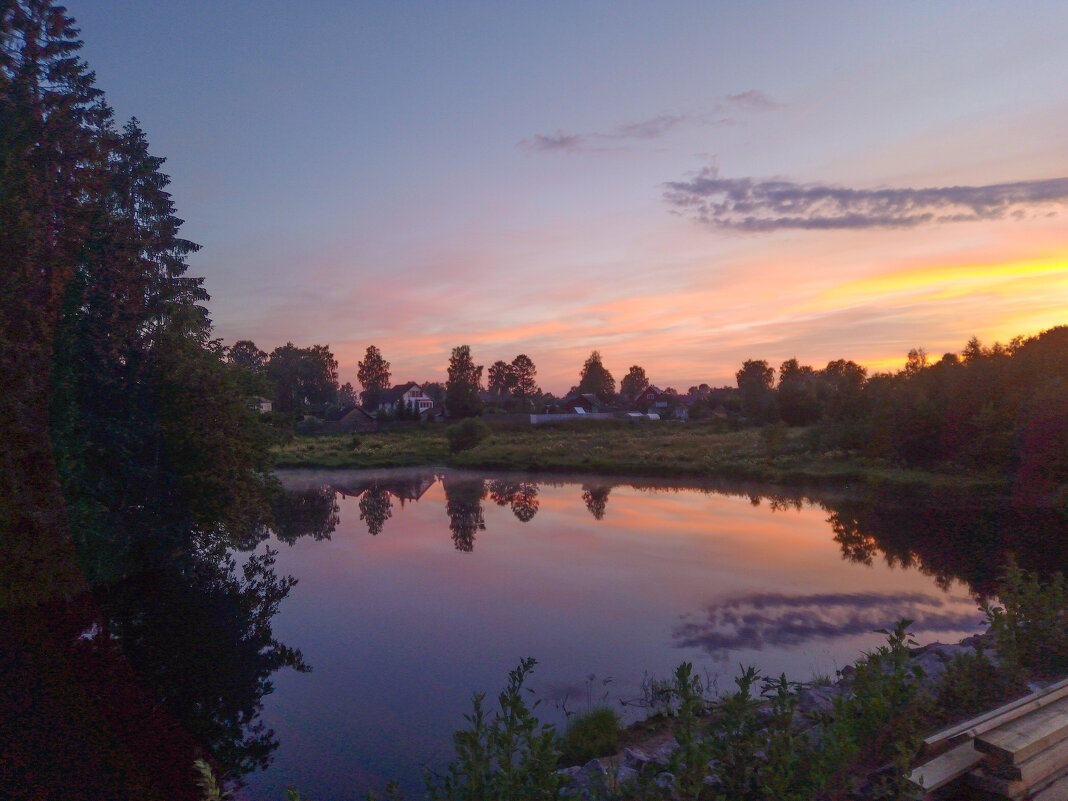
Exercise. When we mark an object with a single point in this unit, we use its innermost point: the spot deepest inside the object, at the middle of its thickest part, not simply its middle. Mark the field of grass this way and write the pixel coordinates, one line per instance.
(668, 450)
(400, 447)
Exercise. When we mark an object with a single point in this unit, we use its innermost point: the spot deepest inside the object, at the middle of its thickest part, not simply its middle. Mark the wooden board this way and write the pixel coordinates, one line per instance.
(1042, 766)
(945, 768)
(1019, 740)
(1058, 791)
(1007, 788)
(997, 717)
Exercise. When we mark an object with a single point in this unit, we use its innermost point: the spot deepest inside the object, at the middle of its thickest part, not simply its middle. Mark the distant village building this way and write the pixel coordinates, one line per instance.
(585, 403)
(408, 395)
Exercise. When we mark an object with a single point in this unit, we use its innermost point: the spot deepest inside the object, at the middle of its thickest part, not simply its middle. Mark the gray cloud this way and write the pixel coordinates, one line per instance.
(557, 141)
(649, 129)
(652, 128)
(751, 100)
(748, 205)
(771, 619)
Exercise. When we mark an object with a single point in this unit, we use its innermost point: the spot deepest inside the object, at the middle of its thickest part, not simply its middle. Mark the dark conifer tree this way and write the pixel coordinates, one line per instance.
(49, 108)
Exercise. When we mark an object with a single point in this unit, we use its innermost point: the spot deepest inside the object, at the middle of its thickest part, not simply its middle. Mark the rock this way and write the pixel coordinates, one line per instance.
(662, 755)
(597, 769)
(665, 781)
(625, 775)
(636, 758)
(934, 659)
(817, 700)
(572, 773)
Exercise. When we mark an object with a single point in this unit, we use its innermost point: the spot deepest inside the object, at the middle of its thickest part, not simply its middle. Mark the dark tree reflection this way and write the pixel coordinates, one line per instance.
(114, 692)
(463, 503)
(376, 507)
(521, 496)
(596, 500)
(525, 502)
(202, 641)
(305, 513)
(949, 540)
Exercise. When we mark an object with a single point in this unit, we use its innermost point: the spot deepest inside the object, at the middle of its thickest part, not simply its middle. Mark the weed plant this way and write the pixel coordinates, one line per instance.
(590, 735)
(511, 757)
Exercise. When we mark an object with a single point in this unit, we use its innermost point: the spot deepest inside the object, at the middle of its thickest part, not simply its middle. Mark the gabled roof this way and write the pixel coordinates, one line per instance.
(394, 394)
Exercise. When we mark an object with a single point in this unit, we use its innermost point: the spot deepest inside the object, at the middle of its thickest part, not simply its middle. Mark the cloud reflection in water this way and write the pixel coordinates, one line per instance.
(752, 622)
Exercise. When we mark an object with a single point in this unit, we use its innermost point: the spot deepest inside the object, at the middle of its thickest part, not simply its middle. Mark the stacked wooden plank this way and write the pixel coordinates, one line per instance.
(1014, 752)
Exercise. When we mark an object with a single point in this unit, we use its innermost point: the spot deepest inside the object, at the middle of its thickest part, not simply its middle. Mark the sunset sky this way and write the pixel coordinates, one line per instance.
(679, 185)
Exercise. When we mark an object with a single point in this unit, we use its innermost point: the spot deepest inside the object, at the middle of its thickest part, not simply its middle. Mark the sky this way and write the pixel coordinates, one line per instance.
(681, 186)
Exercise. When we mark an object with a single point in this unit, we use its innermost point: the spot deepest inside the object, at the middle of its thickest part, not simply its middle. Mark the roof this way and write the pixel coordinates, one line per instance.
(395, 393)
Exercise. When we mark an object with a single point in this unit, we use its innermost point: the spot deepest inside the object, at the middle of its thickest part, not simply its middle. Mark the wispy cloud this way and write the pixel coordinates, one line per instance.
(749, 205)
(774, 619)
(656, 127)
(561, 140)
(652, 128)
(753, 100)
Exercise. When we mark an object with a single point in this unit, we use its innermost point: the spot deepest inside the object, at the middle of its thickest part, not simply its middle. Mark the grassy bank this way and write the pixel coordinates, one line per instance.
(668, 450)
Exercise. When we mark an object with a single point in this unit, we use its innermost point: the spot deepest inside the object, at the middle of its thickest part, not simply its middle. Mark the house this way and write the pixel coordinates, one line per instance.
(647, 398)
(261, 405)
(405, 396)
(585, 403)
(356, 419)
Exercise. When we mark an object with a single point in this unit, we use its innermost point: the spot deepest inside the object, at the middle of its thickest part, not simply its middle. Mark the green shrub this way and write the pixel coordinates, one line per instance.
(972, 684)
(594, 734)
(1030, 626)
(466, 434)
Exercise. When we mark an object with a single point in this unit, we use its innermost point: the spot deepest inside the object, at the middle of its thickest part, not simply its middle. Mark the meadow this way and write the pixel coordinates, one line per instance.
(774, 453)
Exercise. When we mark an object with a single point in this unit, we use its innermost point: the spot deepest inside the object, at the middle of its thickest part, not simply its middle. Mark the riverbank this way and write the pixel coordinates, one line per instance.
(774, 454)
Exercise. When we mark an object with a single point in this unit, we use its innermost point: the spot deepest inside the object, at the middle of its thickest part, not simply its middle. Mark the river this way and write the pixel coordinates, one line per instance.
(417, 588)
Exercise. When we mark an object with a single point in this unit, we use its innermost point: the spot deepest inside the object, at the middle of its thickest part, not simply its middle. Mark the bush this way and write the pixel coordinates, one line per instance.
(1030, 626)
(595, 734)
(466, 434)
(972, 684)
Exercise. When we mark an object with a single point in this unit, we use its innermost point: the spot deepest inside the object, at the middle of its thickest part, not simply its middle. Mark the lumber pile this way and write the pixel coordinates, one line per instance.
(1018, 751)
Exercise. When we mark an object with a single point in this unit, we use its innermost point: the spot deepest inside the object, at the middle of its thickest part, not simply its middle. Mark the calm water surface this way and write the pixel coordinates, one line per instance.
(433, 585)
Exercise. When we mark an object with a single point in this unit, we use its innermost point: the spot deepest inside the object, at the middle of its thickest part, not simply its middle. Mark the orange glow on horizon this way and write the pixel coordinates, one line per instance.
(945, 282)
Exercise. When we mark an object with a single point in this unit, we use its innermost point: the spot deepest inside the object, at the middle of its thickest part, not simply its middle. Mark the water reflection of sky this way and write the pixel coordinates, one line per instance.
(400, 628)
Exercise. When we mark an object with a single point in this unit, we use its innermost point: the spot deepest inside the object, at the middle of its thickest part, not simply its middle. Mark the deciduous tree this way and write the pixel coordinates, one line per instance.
(798, 396)
(499, 379)
(462, 387)
(595, 379)
(755, 380)
(373, 375)
(302, 375)
(524, 378)
(634, 383)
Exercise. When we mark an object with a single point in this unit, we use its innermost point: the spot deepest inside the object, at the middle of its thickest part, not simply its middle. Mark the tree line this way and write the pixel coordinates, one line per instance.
(131, 469)
(1001, 409)
(300, 379)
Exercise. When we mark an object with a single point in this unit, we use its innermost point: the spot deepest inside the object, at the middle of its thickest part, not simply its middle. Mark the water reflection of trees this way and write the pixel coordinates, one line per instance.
(310, 512)
(113, 691)
(520, 496)
(948, 543)
(596, 499)
(375, 508)
(463, 503)
(202, 640)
